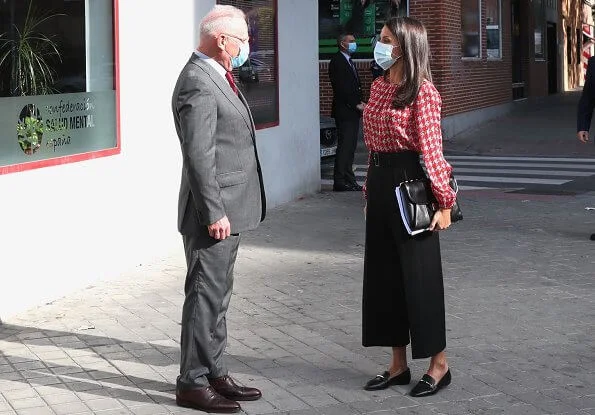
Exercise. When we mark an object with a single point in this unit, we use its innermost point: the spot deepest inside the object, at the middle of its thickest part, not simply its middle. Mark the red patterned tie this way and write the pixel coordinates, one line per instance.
(231, 81)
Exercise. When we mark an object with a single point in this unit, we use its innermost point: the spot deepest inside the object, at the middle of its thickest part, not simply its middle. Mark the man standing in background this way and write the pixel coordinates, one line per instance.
(586, 106)
(346, 110)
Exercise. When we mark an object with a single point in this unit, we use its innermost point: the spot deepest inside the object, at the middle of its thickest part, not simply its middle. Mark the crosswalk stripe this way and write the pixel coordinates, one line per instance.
(476, 168)
(524, 180)
(543, 159)
(485, 172)
(514, 161)
(329, 182)
(565, 173)
(543, 165)
(463, 187)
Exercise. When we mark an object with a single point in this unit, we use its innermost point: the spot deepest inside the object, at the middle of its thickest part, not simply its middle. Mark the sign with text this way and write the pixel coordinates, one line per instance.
(362, 18)
(36, 128)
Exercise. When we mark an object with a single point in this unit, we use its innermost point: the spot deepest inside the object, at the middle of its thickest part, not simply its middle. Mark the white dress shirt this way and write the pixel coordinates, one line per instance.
(216, 65)
(347, 56)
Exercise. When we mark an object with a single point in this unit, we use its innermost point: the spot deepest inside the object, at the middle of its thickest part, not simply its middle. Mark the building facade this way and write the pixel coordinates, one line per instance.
(90, 166)
(486, 54)
(577, 40)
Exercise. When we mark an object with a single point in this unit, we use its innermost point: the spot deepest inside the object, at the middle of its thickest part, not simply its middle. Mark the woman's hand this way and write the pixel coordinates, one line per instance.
(441, 220)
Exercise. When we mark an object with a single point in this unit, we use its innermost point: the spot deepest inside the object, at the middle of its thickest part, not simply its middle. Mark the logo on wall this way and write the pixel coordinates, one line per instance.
(30, 129)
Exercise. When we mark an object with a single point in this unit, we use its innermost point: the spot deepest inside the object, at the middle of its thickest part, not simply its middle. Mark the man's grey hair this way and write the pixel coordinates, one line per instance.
(222, 19)
(342, 36)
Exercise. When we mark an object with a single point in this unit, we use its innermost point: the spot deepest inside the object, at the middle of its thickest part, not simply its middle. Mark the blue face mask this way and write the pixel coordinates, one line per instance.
(383, 55)
(237, 61)
(351, 47)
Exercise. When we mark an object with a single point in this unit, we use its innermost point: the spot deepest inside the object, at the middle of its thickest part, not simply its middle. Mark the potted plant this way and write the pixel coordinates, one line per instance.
(28, 56)
(30, 130)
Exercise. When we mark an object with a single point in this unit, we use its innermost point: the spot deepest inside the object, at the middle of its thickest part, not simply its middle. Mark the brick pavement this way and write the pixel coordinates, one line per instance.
(519, 281)
(543, 126)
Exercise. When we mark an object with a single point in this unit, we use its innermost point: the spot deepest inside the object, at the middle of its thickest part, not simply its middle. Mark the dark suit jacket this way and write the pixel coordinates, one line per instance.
(347, 91)
(587, 101)
(221, 174)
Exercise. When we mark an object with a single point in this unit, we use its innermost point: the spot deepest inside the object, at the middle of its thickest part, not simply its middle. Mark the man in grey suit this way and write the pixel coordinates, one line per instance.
(221, 196)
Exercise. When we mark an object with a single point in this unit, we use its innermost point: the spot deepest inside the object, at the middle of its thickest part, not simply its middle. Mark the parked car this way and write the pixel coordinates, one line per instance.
(253, 71)
(328, 136)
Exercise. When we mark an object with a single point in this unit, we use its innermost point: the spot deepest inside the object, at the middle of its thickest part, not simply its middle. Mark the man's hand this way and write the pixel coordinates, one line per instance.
(361, 106)
(583, 136)
(441, 220)
(220, 229)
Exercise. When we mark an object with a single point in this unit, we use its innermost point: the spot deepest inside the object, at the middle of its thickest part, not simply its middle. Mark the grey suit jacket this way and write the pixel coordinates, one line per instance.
(221, 174)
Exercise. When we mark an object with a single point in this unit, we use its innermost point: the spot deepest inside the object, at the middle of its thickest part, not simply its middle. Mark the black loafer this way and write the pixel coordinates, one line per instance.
(384, 380)
(593, 237)
(427, 385)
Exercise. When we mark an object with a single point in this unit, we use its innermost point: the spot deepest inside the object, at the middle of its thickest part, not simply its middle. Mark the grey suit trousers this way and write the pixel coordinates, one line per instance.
(208, 288)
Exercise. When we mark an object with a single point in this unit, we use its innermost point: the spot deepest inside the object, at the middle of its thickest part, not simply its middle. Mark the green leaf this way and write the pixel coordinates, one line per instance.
(29, 55)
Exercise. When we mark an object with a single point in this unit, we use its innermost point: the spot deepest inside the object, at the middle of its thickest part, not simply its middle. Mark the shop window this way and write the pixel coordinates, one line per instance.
(363, 18)
(57, 82)
(494, 28)
(470, 28)
(539, 28)
(259, 80)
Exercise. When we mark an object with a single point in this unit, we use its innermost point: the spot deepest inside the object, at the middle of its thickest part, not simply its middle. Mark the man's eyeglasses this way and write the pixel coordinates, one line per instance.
(236, 37)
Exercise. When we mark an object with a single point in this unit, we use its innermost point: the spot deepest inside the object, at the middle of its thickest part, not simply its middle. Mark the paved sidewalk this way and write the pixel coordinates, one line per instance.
(520, 295)
(537, 127)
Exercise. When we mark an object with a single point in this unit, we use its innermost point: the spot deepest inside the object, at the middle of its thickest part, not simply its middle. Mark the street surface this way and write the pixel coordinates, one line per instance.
(520, 299)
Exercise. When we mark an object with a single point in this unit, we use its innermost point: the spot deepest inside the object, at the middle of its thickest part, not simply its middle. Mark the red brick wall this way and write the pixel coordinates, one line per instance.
(326, 92)
(465, 84)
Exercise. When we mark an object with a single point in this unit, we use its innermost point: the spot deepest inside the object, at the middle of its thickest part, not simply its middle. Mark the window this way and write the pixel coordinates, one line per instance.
(493, 28)
(363, 18)
(258, 77)
(539, 28)
(470, 28)
(57, 100)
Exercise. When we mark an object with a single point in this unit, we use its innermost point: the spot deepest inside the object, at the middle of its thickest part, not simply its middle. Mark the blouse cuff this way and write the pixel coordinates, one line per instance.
(446, 205)
(449, 201)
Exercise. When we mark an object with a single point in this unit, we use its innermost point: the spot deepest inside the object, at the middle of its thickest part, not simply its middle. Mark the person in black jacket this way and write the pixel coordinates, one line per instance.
(585, 108)
(346, 110)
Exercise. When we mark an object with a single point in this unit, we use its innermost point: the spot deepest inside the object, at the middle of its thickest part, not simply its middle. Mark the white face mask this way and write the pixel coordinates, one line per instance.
(237, 61)
(383, 55)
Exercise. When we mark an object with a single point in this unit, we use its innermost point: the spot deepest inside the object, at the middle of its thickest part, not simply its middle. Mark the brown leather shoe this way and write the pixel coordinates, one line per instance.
(208, 400)
(228, 388)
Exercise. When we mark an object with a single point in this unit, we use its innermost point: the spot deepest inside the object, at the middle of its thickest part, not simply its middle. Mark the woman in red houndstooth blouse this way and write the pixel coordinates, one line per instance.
(403, 294)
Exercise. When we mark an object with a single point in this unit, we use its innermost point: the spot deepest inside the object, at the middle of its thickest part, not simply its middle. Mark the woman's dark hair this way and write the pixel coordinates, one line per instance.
(413, 40)
(393, 9)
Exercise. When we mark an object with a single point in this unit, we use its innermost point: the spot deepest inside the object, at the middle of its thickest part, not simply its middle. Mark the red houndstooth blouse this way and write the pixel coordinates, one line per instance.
(416, 128)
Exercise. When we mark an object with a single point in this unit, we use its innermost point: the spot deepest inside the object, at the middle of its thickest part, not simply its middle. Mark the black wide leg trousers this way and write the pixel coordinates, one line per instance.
(403, 293)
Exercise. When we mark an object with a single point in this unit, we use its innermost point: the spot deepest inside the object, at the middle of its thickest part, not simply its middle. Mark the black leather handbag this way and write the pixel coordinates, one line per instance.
(418, 205)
